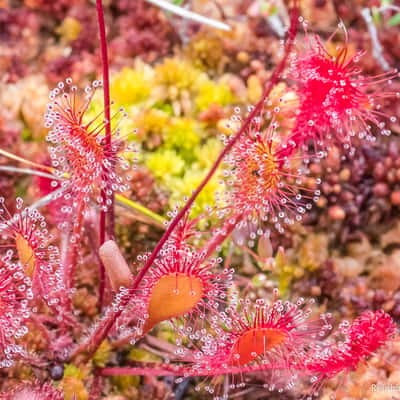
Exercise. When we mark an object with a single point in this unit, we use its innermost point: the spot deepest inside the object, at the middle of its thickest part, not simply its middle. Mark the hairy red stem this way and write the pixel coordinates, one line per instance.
(101, 332)
(107, 125)
(221, 234)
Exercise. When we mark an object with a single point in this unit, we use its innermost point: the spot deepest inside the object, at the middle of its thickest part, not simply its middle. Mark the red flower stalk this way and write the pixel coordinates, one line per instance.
(80, 152)
(336, 101)
(266, 184)
(15, 294)
(363, 338)
(26, 234)
(33, 391)
(106, 194)
(182, 280)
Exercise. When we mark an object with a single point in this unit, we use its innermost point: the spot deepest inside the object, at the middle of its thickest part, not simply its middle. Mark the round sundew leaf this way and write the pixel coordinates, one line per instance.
(172, 296)
(255, 342)
(26, 254)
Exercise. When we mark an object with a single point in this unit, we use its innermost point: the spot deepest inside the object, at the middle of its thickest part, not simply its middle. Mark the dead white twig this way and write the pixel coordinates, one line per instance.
(29, 171)
(377, 49)
(182, 12)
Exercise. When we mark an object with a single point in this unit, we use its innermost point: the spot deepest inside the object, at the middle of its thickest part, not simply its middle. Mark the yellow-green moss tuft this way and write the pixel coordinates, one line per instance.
(102, 354)
(164, 164)
(131, 86)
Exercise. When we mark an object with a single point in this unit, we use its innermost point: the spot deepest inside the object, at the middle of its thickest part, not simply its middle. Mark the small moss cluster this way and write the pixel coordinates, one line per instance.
(163, 104)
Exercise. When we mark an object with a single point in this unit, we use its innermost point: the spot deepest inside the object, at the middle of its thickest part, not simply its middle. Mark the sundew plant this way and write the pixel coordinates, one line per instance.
(85, 315)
